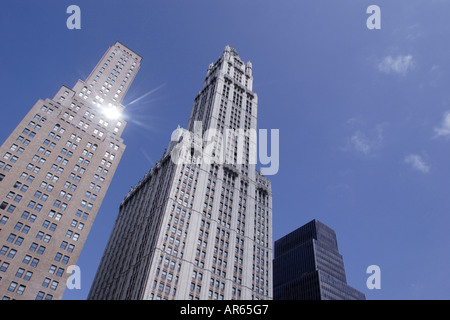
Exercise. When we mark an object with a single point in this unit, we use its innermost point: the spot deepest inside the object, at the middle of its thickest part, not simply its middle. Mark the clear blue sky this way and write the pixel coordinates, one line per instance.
(364, 134)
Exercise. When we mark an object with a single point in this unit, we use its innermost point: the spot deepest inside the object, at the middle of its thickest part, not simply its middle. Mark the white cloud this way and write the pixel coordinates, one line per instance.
(417, 163)
(444, 128)
(367, 145)
(399, 65)
(361, 143)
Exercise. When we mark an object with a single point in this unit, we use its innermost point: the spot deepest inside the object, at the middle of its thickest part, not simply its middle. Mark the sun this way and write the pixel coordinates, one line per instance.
(111, 112)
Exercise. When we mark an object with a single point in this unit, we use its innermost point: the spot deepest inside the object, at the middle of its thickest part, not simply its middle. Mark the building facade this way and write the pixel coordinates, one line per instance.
(308, 266)
(199, 224)
(55, 169)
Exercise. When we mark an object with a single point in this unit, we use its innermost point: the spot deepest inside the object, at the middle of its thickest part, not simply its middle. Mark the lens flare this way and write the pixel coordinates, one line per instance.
(111, 112)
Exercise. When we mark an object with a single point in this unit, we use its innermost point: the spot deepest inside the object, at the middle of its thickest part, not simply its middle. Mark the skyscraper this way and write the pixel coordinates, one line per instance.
(55, 169)
(308, 266)
(199, 224)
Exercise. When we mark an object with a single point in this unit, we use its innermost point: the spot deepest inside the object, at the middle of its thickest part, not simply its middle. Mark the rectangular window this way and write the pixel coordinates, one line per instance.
(34, 262)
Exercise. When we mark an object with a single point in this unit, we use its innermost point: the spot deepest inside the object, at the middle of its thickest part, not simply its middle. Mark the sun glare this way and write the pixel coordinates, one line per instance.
(111, 112)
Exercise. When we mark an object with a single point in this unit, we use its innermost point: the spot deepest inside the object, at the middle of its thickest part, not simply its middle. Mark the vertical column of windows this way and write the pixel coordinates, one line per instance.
(166, 278)
(261, 242)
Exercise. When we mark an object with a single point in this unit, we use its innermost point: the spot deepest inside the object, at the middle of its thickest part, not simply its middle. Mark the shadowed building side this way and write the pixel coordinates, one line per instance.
(308, 266)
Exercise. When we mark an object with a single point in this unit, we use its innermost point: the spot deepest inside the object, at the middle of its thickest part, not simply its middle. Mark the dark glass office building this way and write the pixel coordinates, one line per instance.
(308, 266)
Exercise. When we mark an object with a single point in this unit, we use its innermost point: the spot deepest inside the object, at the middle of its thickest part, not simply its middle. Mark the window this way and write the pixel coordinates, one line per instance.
(4, 250)
(58, 256)
(47, 238)
(20, 272)
(33, 247)
(28, 275)
(11, 237)
(65, 259)
(34, 262)
(26, 259)
(40, 295)
(12, 287)
(63, 245)
(46, 282)
(52, 269)
(11, 253)
(41, 250)
(54, 285)
(39, 235)
(4, 266)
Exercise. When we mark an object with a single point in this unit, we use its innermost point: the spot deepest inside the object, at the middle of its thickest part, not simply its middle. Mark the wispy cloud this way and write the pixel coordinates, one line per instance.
(417, 162)
(398, 65)
(444, 128)
(361, 143)
(366, 144)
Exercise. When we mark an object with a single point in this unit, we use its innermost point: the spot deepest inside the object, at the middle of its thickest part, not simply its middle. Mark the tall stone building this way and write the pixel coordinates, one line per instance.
(308, 266)
(199, 224)
(55, 169)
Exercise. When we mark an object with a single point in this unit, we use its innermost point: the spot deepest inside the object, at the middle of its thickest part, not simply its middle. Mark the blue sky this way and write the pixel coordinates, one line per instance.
(362, 114)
